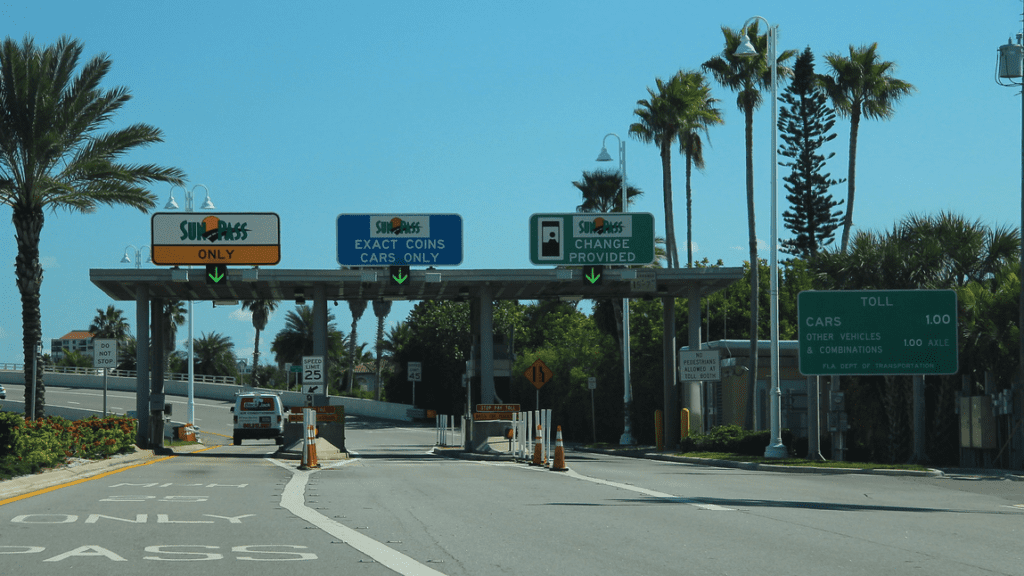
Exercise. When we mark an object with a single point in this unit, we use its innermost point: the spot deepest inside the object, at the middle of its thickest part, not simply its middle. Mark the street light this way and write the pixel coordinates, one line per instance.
(1010, 72)
(138, 255)
(627, 399)
(207, 205)
(776, 449)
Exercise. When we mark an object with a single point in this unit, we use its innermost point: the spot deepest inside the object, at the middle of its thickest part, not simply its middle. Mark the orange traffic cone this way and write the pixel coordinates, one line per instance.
(559, 464)
(538, 448)
(309, 450)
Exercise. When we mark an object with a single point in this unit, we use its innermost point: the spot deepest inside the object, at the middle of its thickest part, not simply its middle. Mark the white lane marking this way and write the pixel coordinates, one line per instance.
(292, 499)
(645, 491)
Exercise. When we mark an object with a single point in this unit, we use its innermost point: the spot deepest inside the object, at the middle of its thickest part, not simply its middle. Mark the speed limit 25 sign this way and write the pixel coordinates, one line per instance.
(312, 369)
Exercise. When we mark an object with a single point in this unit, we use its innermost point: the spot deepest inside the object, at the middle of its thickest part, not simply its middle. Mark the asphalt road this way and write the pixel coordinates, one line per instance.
(395, 507)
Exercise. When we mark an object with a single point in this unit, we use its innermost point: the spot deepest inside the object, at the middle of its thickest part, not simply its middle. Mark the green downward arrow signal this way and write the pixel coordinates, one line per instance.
(217, 276)
(594, 275)
(400, 278)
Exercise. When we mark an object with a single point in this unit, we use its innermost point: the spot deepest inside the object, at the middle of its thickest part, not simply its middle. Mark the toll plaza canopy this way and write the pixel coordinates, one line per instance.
(450, 284)
(150, 287)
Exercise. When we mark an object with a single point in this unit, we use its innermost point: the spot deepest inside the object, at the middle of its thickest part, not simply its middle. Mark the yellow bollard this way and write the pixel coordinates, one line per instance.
(684, 423)
(659, 429)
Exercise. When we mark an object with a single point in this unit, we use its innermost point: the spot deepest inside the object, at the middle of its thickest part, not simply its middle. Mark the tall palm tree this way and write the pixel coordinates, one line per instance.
(660, 124)
(697, 113)
(357, 307)
(53, 155)
(111, 323)
(861, 84)
(748, 76)
(174, 312)
(381, 309)
(602, 191)
(295, 340)
(214, 355)
(261, 310)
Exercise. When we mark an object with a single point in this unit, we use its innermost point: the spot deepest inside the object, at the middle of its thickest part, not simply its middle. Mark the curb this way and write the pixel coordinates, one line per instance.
(931, 473)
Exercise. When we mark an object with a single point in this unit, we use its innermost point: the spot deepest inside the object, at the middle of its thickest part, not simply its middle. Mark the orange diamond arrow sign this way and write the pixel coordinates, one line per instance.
(538, 373)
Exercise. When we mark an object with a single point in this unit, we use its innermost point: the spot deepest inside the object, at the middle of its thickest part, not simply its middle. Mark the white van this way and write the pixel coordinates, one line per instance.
(257, 416)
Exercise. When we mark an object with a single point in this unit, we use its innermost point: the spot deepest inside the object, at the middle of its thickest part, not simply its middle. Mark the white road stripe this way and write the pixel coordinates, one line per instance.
(293, 500)
(645, 491)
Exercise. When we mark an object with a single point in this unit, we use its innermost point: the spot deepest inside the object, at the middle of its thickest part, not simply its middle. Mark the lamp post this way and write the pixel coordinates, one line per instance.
(207, 205)
(1010, 72)
(776, 449)
(138, 255)
(627, 399)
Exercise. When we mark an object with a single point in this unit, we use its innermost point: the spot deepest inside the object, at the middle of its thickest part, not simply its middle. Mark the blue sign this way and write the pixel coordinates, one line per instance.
(399, 239)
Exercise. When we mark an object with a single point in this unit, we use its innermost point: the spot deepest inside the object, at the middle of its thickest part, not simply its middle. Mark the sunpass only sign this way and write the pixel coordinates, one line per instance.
(587, 238)
(399, 239)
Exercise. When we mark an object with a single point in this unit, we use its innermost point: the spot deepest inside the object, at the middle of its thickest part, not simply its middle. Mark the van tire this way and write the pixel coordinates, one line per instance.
(236, 440)
(279, 440)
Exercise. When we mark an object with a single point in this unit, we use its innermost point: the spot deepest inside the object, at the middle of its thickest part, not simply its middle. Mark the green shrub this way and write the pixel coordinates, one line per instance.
(733, 439)
(27, 447)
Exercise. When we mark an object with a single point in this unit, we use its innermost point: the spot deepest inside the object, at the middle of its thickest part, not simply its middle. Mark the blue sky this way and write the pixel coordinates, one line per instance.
(490, 110)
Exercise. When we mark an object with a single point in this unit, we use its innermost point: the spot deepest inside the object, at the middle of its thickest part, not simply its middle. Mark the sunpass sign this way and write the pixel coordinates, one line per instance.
(399, 239)
(577, 238)
(193, 238)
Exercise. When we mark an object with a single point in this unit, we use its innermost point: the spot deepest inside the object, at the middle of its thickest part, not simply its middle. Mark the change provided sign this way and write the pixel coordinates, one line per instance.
(877, 332)
(399, 239)
(240, 238)
(585, 238)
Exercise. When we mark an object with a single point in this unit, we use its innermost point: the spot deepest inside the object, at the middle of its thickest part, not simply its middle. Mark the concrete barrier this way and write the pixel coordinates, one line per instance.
(225, 392)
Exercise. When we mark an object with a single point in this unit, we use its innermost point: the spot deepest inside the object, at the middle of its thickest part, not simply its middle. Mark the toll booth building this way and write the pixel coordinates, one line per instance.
(725, 402)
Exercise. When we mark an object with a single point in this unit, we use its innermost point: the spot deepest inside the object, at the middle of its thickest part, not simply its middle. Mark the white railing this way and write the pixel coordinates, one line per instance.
(203, 379)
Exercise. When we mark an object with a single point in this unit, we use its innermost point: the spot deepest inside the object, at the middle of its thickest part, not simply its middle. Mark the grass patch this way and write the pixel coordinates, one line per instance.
(801, 462)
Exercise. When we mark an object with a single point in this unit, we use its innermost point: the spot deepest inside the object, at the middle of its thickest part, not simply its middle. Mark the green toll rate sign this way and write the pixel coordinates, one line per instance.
(863, 332)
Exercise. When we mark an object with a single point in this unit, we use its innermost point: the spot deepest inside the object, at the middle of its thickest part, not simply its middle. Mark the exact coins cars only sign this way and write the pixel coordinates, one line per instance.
(399, 239)
(877, 332)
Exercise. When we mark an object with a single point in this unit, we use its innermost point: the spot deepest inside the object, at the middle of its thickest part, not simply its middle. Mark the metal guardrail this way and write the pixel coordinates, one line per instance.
(200, 378)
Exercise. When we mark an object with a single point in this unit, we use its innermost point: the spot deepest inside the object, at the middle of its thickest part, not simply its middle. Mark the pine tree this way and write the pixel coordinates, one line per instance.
(805, 124)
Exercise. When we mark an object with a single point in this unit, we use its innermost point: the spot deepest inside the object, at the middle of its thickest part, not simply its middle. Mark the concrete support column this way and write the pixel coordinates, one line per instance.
(671, 387)
(320, 329)
(158, 329)
(486, 300)
(142, 365)
(694, 389)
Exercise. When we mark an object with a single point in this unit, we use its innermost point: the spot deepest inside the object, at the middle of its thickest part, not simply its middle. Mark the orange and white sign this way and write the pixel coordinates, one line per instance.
(193, 238)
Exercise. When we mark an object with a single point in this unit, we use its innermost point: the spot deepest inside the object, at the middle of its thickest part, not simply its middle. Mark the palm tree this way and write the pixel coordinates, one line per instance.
(660, 124)
(697, 113)
(861, 85)
(295, 340)
(174, 312)
(111, 323)
(52, 155)
(214, 355)
(748, 76)
(381, 309)
(261, 310)
(602, 191)
(357, 307)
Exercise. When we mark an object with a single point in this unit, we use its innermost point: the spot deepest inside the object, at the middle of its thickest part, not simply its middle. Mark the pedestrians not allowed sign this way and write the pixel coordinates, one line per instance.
(699, 366)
